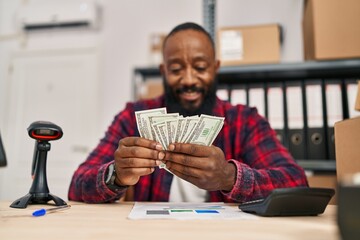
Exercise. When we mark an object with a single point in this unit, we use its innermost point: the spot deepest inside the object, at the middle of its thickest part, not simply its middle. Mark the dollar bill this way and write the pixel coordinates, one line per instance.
(160, 134)
(207, 130)
(189, 124)
(166, 128)
(171, 126)
(143, 123)
(154, 119)
(179, 128)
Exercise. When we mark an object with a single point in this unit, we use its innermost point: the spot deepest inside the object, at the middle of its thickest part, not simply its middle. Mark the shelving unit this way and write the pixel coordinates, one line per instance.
(341, 72)
(276, 72)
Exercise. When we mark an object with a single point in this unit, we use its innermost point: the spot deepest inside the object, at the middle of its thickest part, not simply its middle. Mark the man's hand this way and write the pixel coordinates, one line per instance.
(203, 166)
(135, 157)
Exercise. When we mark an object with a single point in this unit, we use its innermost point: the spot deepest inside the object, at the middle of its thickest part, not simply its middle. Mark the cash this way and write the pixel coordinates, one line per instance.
(166, 128)
(143, 122)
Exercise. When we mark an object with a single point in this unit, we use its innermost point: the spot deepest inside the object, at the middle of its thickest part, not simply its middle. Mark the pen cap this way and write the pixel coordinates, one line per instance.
(40, 212)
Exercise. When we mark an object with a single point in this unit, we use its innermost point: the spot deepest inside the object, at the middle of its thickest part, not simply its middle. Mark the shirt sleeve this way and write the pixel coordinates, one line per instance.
(262, 163)
(88, 182)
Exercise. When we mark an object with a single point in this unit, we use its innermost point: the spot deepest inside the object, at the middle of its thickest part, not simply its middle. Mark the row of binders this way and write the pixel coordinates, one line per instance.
(303, 113)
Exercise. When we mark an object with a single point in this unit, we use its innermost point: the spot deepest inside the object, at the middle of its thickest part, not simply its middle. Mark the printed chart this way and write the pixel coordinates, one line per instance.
(187, 211)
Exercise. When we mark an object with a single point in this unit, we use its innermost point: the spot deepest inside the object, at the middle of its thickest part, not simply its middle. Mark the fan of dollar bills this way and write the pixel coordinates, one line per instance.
(157, 124)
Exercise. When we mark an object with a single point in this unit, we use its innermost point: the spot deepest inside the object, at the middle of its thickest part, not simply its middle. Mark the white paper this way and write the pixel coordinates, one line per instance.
(231, 46)
(187, 211)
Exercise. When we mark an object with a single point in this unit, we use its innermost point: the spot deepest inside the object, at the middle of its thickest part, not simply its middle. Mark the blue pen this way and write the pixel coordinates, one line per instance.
(43, 211)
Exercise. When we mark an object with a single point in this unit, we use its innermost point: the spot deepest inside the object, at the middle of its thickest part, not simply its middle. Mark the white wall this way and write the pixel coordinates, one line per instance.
(127, 27)
(123, 42)
(7, 34)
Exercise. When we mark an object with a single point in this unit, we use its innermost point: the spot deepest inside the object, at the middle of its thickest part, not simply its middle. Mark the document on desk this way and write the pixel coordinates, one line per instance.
(187, 211)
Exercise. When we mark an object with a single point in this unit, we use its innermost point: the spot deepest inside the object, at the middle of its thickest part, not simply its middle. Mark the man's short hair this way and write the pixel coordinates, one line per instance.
(189, 26)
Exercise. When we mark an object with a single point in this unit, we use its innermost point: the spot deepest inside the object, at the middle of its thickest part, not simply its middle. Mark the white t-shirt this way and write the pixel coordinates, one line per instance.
(183, 191)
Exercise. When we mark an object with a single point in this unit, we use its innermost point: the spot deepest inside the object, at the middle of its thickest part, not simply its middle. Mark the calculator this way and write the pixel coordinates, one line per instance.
(300, 201)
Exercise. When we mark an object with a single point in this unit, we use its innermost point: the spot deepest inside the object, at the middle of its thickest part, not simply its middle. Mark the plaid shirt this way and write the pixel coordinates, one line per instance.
(246, 139)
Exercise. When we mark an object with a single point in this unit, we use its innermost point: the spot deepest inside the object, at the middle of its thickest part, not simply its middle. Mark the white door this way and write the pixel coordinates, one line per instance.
(56, 86)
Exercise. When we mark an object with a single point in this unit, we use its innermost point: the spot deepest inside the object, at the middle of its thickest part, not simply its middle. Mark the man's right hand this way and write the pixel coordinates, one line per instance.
(136, 157)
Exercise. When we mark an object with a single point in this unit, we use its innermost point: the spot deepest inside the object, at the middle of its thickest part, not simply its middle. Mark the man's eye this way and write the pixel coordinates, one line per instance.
(175, 70)
(200, 68)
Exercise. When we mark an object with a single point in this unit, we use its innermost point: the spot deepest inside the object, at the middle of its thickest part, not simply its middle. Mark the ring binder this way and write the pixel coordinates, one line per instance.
(316, 148)
(334, 112)
(295, 117)
(276, 110)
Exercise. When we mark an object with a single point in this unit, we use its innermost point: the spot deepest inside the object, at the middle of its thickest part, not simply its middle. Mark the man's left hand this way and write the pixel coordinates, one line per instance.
(203, 166)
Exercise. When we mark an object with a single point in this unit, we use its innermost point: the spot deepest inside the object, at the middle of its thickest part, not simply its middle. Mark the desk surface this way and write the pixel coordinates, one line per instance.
(109, 221)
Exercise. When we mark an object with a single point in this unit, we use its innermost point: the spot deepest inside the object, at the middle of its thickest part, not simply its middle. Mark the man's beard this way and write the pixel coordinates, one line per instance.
(173, 105)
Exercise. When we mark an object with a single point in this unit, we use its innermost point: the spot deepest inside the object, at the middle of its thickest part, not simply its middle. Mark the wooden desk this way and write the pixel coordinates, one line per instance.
(109, 221)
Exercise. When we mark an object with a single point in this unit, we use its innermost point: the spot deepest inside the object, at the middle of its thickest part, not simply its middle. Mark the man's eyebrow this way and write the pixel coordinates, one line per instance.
(201, 58)
(174, 60)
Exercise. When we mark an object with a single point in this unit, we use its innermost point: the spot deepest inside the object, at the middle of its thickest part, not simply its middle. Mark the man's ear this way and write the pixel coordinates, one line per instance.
(162, 69)
(217, 65)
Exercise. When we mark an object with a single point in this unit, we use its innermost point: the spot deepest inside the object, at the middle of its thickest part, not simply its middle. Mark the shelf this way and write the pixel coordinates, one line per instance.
(278, 72)
(147, 72)
(318, 166)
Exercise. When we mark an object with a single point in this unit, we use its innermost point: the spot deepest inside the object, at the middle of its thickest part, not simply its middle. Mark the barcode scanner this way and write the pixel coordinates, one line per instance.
(42, 132)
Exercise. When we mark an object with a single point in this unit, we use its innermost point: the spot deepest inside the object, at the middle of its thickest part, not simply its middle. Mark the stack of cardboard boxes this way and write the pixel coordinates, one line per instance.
(153, 87)
(155, 48)
(150, 89)
(259, 44)
(347, 144)
(331, 29)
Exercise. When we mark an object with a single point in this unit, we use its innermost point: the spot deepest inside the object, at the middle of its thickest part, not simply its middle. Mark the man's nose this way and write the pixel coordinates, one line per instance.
(190, 77)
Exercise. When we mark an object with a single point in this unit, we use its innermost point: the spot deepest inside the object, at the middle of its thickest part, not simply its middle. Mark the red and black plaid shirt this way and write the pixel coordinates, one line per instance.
(246, 139)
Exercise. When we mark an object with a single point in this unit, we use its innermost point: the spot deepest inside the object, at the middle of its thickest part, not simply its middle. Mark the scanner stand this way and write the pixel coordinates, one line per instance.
(39, 192)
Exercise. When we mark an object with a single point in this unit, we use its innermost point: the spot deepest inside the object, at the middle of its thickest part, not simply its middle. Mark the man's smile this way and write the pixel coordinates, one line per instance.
(190, 96)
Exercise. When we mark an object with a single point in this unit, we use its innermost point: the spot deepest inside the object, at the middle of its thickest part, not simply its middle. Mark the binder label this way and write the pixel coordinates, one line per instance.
(333, 104)
(238, 96)
(314, 106)
(295, 108)
(276, 107)
(257, 99)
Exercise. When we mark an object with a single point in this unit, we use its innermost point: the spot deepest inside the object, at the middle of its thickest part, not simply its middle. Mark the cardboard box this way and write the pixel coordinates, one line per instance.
(155, 48)
(249, 45)
(357, 103)
(347, 139)
(324, 181)
(150, 89)
(331, 29)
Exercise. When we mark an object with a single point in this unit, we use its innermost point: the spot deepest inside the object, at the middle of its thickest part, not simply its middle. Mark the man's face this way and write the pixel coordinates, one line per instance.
(189, 68)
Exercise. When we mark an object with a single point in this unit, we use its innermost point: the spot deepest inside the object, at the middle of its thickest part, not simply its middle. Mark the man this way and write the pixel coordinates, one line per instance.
(245, 162)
